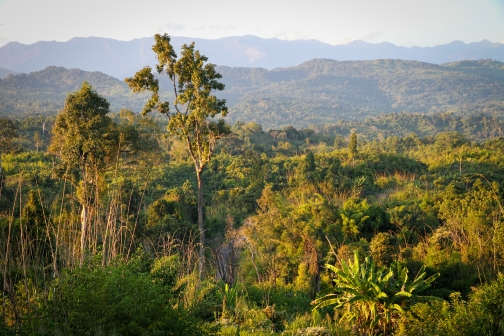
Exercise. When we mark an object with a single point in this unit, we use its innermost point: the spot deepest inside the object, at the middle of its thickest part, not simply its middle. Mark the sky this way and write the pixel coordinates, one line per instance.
(401, 22)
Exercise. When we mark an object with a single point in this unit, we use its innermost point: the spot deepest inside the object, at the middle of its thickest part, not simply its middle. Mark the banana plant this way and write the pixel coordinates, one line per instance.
(373, 297)
(228, 295)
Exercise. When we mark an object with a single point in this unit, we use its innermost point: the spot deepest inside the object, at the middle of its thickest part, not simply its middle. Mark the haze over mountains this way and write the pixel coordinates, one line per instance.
(5, 72)
(315, 92)
(123, 58)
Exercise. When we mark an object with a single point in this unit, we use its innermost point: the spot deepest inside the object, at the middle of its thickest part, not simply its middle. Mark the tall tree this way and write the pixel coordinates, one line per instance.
(193, 80)
(83, 135)
(37, 140)
(352, 145)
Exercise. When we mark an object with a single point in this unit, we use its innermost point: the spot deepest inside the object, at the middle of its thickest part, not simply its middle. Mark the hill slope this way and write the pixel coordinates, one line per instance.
(315, 92)
(5, 72)
(44, 92)
(122, 58)
(321, 91)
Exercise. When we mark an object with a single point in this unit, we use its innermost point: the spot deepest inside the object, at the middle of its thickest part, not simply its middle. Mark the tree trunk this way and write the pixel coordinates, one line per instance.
(200, 226)
(84, 219)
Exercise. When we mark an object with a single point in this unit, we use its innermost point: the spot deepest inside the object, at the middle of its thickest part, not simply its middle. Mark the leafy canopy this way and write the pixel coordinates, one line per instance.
(193, 80)
(8, 131)
(83, 134)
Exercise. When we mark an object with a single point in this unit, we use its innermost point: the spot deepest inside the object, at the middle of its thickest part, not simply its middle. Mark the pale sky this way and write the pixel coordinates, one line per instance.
(402, 22)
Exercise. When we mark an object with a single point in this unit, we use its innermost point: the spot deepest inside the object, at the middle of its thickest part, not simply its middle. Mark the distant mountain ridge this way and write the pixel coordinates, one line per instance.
(122, 58)
(319, 91)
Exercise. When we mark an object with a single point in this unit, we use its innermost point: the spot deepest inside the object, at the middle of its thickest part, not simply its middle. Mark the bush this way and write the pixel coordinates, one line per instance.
(490, 300)
(120, 299)
(283, 297)
(456, 317)
(483, 314)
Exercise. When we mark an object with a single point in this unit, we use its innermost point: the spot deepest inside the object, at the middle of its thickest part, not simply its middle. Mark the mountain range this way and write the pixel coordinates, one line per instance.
(315, 92)
(123, 58)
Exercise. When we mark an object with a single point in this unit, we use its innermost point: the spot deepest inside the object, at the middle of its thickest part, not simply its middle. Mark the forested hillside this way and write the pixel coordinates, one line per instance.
(315, 92)
(5, 72)
(44, 92)
(324, 91)
(477, 127)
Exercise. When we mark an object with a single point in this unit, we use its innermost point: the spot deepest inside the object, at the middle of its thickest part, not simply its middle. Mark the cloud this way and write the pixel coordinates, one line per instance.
(370, 37)
(171, 27)
(291, 35)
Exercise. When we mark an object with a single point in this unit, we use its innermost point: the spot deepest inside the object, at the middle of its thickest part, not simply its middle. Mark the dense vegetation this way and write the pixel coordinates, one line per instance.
(324, 91)
(120, 224)
(316, 92)
(279, 206)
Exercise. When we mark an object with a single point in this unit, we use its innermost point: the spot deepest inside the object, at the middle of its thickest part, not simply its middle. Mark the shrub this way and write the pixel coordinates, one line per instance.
(120, 299)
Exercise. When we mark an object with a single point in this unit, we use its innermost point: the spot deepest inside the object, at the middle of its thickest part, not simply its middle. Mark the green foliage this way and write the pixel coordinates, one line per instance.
(8, 131)
(284, 298)
(229, 296)
(352, 145)
(374, 298)
(123, 298)
(165, 270)
(278, 204)
(176, 211)
(194, 81)
(403, 132)
(384, 248)
(82, 135)
(360, 217)
(489, 299)
(480, 315)
(314, 324)
(443, 319)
